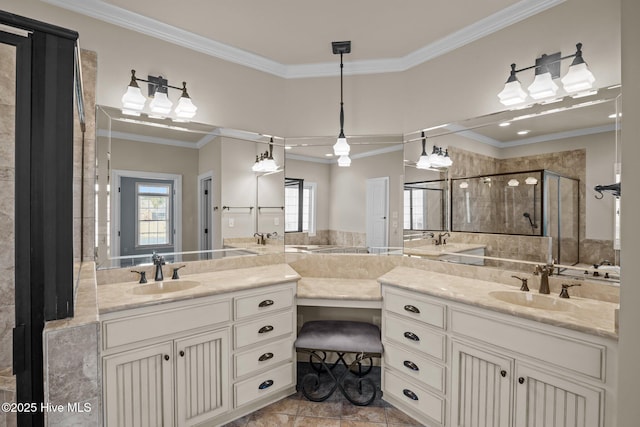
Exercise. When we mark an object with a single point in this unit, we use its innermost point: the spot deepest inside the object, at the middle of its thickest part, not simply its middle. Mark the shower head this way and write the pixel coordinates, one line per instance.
(526, 215)
(533, 225)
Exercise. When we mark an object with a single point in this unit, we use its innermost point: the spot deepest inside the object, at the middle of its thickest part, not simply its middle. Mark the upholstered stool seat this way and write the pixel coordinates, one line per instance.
(342, 337)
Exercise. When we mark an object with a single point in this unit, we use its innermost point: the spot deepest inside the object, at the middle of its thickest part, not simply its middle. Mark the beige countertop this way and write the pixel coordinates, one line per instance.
(339, 289)
(120, 296)
(586, 315)
(431, 250)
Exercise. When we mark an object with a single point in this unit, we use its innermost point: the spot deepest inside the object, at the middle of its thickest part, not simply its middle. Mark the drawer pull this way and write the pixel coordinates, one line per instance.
(411, 336)
(265, 303)
(166, 357)
(266, 384)
(411, 395)
(265, 329)
(411, 365)
(181, 353)
(265, 356)
(521, 380)
(412, 309)
(503, 373)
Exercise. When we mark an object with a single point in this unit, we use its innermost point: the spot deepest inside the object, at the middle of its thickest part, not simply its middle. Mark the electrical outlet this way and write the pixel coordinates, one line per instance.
(232, 222)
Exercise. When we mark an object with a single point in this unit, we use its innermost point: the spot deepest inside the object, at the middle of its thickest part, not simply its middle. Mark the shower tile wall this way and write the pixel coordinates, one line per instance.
(7, 226)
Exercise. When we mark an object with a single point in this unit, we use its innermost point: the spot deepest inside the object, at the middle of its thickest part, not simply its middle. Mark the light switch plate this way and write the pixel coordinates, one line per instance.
(232, 222)
(276, 221)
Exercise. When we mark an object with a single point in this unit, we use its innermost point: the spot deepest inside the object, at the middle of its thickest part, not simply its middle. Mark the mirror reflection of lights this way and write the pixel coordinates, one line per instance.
(513, 183)
(464, 185)
(531, 180)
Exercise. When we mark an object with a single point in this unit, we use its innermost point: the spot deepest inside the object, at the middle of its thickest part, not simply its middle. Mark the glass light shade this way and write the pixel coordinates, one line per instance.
(269, 165)
(464, 185)
(133, 100)
(344, 161)
(423, 162)
(512, 94)
(257, 166)
(513, 183)
(543, 86)
(185, 108)
(531, 180)
(341, 147)
(161, 104)
(578, 78)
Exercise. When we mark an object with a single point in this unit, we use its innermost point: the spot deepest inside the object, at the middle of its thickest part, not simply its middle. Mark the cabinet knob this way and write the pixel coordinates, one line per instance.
(521, 380)
(265, 329)
(265, 303)
(411, 395)
(166, 357)
(503, 373)
(411, 336)
(265, 356)
(411, 365)
(412, 309)
(181, 353)
(266, 384)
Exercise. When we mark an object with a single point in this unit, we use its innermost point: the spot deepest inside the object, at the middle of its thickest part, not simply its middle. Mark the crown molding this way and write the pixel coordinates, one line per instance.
(102, 11)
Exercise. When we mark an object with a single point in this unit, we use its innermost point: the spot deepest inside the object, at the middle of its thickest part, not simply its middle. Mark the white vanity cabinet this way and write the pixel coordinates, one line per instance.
(498, 370)
(204, 361)
(157, 370)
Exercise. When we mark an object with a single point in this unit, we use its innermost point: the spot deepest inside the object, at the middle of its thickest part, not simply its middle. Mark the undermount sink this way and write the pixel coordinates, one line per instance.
(531, 300)
(164, 287)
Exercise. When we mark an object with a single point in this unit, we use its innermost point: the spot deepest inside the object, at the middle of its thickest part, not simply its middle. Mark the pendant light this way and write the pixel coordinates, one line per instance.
(423, 161)
(269, 164)
(341, 147)
(578, 78)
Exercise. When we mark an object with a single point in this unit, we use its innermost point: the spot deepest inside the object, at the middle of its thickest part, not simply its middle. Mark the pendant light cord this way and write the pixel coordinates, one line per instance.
(341, 102)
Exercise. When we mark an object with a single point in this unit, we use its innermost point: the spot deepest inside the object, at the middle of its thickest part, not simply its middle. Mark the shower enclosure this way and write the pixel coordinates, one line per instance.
(533, 203)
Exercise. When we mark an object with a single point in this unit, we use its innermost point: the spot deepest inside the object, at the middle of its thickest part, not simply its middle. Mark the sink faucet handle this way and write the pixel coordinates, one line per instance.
(564, 293)
(524, 287)
(175, 275)
(143, 276)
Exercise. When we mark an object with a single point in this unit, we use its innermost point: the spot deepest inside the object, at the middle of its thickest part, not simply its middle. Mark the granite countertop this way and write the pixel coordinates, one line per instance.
(339, 289)
(120, 296)
(586, 315)
(431, 250)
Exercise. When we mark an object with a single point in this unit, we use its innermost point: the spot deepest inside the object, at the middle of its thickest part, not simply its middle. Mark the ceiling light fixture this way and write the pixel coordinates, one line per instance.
(265, 162)
(440, 159)
(133, 101)
(577, 82)
(341, 147)
(423, 161)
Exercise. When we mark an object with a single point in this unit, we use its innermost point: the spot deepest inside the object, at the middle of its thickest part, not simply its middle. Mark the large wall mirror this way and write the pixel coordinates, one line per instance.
(185, 190)
(521, 186)
(334, 209)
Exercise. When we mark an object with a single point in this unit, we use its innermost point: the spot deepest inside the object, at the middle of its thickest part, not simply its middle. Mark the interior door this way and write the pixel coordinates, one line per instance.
(206, 222)
(377, 212)
(146, 216)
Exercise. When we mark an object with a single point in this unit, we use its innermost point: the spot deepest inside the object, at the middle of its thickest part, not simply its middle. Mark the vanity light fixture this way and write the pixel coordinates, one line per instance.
(439, 158)
(531, 180)
(341, 147)
(513, 182)
(133, 101)
(464, 184)
(577, 82)
(265, 162)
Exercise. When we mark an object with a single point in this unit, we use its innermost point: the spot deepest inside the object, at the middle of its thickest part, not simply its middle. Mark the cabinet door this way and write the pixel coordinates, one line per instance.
(481, 388)
(138, 387)
(548, 400)
(202, 376)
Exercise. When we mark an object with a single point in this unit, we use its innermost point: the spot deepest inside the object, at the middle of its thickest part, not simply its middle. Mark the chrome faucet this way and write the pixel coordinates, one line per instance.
(158, 261)
(440, 240)
(544, 271)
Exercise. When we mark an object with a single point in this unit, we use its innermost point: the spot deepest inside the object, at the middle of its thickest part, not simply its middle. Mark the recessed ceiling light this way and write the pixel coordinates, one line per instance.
(523, 132)
(288, 147)
(504, 124)
(329, 155)
(613, 116)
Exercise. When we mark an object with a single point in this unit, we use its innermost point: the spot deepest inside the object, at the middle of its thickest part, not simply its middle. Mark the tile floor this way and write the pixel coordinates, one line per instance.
(336, 411)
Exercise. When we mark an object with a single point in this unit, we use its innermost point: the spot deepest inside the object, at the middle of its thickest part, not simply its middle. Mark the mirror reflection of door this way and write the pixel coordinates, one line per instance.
(205, 219)
(147, 217)
(377, 213)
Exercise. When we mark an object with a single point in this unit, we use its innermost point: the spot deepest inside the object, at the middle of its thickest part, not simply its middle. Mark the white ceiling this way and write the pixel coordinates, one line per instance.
(292, 38)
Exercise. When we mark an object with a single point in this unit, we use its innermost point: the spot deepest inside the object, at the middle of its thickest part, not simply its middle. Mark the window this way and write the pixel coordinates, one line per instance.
(414, 209)
(153, 214)
(300, 206)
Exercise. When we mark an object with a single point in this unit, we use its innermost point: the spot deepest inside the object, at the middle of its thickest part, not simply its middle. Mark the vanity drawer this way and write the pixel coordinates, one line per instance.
(266, 302)
(263, 329)
(415, 366)
(414, 335)
(262, 357)
(135, 329)
(412, 395)
(263, 385)
(409, 305)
